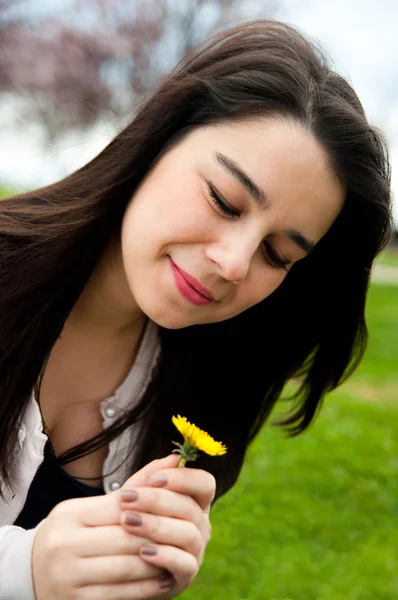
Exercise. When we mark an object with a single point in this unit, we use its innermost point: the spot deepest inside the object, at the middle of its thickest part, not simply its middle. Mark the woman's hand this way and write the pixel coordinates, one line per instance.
(171, 509)
(82, 553)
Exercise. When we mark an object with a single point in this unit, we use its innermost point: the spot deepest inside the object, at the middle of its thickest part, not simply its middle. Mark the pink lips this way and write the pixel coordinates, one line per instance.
(190, 288)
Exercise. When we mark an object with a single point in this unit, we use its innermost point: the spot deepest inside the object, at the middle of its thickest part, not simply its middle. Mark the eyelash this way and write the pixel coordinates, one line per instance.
(273, 258)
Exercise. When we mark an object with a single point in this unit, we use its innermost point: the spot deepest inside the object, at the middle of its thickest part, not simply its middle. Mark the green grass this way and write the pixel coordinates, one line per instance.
(6, 192)
(316, 517)
(389, 258)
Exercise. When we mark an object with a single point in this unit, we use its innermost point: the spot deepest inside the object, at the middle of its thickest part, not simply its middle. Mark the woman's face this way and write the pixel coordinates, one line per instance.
(223, 216)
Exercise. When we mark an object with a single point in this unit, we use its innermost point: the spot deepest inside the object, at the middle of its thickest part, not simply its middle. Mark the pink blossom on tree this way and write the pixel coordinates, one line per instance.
(98, 58)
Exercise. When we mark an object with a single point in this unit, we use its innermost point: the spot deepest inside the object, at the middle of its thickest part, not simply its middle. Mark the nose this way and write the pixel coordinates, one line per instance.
(233, 260)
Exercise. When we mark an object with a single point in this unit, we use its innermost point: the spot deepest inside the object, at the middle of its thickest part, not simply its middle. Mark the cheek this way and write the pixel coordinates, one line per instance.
(181, 206)
(262, 282)
(189, 218)
(160, 218)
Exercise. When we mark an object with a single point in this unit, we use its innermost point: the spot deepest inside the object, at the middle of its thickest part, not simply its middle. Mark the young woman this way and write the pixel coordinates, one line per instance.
(220, 245)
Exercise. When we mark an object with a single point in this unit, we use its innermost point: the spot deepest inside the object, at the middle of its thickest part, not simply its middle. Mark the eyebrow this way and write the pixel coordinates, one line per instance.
(300, 240)
(235, 170)
(260, 197)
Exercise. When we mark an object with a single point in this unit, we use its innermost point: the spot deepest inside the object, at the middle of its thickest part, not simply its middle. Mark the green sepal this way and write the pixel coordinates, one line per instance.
(186, 451)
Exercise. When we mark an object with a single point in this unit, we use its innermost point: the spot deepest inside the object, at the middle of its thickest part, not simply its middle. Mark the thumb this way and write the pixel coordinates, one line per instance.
(142, 476)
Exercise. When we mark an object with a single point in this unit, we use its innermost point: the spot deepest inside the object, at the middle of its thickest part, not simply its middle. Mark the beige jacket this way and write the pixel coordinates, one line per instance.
(16, 543)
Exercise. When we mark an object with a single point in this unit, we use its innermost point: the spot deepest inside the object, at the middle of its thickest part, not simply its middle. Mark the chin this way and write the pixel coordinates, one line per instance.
(173, 318)
(178, 319)
(170, 323)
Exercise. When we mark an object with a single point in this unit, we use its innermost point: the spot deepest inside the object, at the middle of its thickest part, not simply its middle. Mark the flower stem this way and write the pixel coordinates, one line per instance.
(182, 462)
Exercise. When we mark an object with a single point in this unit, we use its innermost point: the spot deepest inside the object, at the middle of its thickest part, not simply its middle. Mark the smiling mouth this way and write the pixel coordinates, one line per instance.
(190, 288)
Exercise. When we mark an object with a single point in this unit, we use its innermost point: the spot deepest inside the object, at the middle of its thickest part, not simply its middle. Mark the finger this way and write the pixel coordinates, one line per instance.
(108, 540)
(147, 588)
(164, 503)
(90, 512)
(114, 569)
(197, 483)
(182, 565)
(105, 510)
(142, 476)
(164, 530)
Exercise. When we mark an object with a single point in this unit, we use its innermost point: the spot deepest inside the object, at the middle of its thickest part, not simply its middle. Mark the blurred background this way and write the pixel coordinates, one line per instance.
(314, 517)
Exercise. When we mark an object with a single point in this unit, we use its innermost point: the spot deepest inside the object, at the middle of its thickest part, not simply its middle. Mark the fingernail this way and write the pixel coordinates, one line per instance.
(149, 550)
(128, 495)
(166, 582)
(132, 519)
(158, 479)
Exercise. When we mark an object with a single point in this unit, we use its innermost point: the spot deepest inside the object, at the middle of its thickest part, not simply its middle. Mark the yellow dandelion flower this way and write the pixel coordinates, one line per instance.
(195, 439)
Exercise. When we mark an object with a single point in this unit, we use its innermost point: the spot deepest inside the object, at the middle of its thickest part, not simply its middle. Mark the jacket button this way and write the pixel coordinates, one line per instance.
(115, 485)
(110, 412)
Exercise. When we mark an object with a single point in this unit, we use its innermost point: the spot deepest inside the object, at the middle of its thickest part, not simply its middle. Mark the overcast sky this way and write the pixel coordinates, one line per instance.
(362, 38)
(360, 35)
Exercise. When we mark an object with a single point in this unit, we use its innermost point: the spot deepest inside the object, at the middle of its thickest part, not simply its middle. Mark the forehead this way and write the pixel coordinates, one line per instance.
(285, 161)
(263, 142)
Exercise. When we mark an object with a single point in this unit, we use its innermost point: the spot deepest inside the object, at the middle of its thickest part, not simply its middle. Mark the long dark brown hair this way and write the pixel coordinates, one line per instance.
(227, 376)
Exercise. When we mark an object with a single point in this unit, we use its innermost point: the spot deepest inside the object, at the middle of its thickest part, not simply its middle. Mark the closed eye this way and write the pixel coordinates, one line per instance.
(275, 259)
(224, 206)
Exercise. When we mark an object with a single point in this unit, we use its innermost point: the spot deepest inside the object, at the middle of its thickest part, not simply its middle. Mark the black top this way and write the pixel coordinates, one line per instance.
(50, 486)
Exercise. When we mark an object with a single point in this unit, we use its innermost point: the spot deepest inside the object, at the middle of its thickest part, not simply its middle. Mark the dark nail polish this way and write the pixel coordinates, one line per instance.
(149, 550)
(128, 495)
(132, 519)
(158, 480)
(166, 582)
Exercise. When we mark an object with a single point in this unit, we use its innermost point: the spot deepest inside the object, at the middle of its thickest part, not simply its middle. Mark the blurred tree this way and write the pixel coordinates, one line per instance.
(87, 60)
